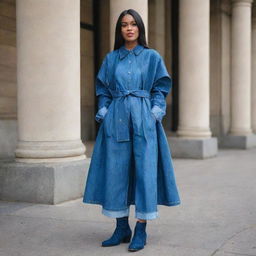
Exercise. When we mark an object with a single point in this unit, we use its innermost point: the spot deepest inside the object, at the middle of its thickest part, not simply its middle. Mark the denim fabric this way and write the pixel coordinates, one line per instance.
(131, 161)
(116, 214)
(123, 213)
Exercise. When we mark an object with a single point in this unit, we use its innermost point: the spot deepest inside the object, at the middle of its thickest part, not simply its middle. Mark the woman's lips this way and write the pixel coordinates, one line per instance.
(130, 34)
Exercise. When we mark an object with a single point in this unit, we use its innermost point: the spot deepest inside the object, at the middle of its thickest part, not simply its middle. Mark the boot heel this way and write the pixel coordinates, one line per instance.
(127, 239)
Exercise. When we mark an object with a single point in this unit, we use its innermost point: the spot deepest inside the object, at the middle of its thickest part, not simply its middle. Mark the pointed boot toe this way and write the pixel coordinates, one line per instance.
(122, 233)
(116, 239)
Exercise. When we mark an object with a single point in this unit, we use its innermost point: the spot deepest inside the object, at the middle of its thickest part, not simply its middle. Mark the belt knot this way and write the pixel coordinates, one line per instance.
(121, 111)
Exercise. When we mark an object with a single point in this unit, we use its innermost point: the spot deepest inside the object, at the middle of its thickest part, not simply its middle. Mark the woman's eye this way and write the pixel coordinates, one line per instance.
(133, 24)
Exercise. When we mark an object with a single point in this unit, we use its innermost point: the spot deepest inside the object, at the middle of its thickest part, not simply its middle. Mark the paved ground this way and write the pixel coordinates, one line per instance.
(217, 217)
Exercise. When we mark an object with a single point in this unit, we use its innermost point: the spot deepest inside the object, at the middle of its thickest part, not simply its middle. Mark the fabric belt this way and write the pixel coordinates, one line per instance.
(121, 115)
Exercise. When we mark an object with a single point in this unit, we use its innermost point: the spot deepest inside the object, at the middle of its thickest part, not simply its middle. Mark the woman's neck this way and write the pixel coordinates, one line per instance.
(130, 45)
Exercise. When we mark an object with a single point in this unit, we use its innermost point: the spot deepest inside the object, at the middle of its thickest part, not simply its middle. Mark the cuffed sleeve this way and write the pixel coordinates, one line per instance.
(160, 89)
(103, 94)
(102, 91)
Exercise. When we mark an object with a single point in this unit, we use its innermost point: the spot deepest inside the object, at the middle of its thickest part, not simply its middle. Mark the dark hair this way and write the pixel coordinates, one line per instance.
(119, 40)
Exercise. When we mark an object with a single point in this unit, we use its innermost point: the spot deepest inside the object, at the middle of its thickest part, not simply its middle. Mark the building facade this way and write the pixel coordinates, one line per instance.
(50, 52)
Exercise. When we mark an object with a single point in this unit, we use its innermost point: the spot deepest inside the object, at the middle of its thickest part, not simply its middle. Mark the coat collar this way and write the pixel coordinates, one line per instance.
(123, 51)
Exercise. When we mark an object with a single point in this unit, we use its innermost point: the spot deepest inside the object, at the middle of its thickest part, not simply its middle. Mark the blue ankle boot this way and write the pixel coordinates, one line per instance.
(139, 237)
(122, 233)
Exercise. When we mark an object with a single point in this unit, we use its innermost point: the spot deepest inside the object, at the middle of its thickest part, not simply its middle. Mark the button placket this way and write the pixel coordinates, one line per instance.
(129, 61)
(129, 69)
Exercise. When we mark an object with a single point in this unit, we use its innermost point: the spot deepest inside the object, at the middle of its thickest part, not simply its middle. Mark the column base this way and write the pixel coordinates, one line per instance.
(238, 141)
(197, 148)
(46, 183)
(46, 151)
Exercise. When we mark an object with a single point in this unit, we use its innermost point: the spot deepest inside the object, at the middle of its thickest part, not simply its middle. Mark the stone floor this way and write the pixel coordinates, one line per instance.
(217, 217)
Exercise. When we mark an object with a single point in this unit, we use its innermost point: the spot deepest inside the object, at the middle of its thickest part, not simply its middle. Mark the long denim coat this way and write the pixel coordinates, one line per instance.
(131, 161)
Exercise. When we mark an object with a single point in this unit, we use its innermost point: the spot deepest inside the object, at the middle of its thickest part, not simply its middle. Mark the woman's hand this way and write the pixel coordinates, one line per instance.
(157, 112)
(101, 114)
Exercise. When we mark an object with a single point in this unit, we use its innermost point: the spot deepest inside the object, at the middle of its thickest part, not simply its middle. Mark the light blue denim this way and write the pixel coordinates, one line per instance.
(131, 161)
(123, 213)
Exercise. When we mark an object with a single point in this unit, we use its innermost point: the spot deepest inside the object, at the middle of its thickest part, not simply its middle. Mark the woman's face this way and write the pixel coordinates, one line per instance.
(129, 28)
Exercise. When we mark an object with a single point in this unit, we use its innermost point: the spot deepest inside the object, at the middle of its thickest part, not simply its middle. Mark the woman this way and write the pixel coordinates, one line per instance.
(131, 161)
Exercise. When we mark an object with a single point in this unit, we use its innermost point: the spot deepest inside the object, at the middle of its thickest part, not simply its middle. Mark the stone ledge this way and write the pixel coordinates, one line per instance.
(46, 183)
(197, 148)
(238, 141)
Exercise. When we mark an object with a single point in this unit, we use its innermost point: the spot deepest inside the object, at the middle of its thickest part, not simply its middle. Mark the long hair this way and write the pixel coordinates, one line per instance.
(119, 40)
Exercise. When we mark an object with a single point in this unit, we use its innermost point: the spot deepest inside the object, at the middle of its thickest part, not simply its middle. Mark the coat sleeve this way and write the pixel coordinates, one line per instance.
(160, 89)
(102, 91)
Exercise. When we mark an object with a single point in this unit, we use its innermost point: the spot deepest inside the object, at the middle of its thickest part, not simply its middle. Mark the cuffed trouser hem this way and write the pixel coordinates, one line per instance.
(116, 214)
(146, 216)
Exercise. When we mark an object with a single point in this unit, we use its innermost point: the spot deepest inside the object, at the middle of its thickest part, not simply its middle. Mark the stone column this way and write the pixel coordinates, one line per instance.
(240, 135)
(116, 7)
(48, 75)
(194, 136)
(254, 67)
(157, 25)
(48, 63)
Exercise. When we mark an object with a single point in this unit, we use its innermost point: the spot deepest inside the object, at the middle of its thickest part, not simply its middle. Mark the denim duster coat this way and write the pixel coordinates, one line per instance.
(131, 86)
